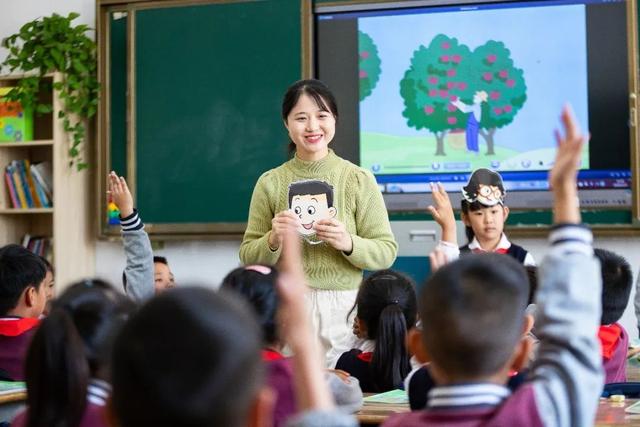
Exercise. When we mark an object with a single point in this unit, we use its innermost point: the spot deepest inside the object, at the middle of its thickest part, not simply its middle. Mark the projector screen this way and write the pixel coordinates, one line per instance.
(431, 92)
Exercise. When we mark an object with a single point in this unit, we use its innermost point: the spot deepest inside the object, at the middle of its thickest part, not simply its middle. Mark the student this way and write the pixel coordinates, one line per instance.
(23, 296)
(616, 287)
(484, 215)
(216, 377)
(257, 284)
(138, 275)
(419, 382)
(356, 238)
(67, 364)
(163, 278)
(472, 312)
(386, 309)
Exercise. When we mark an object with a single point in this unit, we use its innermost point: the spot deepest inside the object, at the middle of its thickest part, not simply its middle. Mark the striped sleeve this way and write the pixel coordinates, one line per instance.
(571, 238)
(131, 222)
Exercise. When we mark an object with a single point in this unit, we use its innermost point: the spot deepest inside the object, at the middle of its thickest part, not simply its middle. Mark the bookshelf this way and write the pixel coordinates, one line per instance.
(68, 222)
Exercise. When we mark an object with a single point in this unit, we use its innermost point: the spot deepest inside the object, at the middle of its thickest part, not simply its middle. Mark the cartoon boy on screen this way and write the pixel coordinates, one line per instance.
(311, 201)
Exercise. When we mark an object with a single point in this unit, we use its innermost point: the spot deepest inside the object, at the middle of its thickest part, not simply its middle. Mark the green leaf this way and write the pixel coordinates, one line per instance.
(44, 108)
(72, 16)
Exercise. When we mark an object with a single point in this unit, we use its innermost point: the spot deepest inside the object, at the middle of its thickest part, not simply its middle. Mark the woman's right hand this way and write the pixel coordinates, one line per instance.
(279, 224)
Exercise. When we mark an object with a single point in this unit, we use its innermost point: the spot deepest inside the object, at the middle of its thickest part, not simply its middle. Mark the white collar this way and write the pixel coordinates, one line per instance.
(98, 392)
(468, 395)
(504, 243)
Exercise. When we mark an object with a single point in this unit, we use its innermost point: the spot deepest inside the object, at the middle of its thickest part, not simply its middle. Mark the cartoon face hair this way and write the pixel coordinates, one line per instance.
(301, 188)
(484, 186)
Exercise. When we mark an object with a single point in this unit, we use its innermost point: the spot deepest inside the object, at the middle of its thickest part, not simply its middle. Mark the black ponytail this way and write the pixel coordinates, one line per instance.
(386, 303)
(57, 374)
(71, 346)
(390, 359)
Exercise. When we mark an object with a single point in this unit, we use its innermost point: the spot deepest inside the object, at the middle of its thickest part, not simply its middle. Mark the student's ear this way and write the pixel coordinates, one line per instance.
(528, 324)
(416, 347)
(110, 414)
(30, 296)
(521, 354)
(332, 212)
(286, 125)
(261, 410)
(506, 212)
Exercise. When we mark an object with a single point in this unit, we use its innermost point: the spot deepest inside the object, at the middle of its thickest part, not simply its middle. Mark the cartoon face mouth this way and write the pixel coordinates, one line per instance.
(308, 226)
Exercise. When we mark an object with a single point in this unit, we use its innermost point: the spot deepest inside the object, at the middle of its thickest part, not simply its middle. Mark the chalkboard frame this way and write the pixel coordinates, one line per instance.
(105, 157)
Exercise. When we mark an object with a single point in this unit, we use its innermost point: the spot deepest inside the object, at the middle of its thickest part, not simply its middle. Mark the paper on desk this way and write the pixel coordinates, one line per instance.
(394, 397)
(10, 387)
(633, 409)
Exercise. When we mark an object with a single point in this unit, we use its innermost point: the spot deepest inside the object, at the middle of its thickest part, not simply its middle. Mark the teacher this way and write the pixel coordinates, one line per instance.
(355, 234)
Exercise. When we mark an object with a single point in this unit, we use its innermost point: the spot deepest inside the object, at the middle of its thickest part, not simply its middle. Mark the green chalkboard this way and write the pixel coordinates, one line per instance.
(201, 101)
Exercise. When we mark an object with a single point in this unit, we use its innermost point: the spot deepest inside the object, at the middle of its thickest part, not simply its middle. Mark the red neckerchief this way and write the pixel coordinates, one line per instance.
(609, 336)
(12, 327)
(497, 251)
(366, 357)
(269, 355)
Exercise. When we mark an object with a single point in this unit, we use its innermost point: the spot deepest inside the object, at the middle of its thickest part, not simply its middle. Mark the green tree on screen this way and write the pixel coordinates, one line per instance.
(436, 77)
(368, 64)
(493, 71)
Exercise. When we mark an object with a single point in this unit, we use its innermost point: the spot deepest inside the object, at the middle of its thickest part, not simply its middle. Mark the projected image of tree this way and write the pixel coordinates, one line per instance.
(429, 86)
(369, 64)
(447, 87)
(495, 74)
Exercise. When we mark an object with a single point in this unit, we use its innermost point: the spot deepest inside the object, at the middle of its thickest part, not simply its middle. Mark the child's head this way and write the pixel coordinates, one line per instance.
(162, 275)
(189, 357)
(386, 308)
(473, 316)
(483, 210)
(22, 274)
(616, 285)
(72, 345)
(257, 284)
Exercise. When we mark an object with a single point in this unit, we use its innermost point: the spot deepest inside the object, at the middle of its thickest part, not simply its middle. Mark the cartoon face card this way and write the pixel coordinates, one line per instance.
(311, 201)
(484, 186)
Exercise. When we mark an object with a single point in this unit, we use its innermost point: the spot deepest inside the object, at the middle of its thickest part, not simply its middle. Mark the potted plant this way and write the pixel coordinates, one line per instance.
(52, 44)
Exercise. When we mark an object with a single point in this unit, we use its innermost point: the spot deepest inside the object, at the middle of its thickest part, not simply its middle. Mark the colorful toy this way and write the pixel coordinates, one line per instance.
(113, 214)
(16, 123)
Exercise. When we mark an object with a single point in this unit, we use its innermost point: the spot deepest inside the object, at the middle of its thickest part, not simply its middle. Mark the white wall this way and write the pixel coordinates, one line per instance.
(208, 261)
(15, 13)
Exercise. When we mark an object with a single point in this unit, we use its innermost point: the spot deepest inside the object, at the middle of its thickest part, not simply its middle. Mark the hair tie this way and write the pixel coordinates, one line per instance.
(395, 301)
(262, 269)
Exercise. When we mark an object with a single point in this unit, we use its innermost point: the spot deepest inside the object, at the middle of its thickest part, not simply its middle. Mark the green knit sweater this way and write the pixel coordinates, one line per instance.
(360, 207)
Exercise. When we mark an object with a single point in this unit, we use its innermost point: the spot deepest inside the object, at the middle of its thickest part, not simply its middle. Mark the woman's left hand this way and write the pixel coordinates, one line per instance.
(334, 233)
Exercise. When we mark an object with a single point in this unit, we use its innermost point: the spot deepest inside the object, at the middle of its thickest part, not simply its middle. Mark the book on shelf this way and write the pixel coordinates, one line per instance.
(27, 184)
(39, 245)
(42, 173)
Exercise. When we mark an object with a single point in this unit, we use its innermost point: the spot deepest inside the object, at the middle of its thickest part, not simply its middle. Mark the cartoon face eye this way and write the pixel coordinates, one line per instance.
(311, 210)
(485, 191)
(297, 210)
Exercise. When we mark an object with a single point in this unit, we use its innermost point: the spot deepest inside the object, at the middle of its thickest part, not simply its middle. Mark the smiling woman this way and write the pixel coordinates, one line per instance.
(325, 197)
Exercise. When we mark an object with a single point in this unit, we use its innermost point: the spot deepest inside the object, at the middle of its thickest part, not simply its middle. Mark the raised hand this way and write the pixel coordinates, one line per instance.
(442, 213)
(120, 194)
(563, 175)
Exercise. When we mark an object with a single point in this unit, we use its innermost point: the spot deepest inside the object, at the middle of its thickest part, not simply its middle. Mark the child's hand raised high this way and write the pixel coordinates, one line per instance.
(563, 175)
(442, 213)
(308, 373)
(120, 194)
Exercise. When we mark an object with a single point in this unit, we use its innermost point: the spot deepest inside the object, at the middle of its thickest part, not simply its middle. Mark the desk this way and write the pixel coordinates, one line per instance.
(11, 404)
(373, 414)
